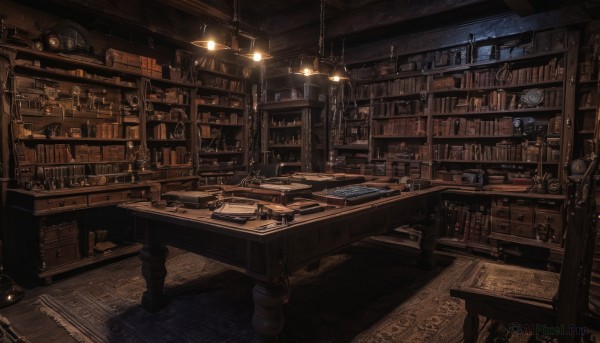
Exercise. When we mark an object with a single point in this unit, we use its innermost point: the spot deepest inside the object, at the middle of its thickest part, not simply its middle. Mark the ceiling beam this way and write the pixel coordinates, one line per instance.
(484, 29)
(521, 7)
(378, 15)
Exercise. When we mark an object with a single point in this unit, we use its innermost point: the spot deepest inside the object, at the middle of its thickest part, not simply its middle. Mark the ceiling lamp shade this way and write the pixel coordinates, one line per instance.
(339, 73)
(213, 38)
(259, 49)
(308, 65)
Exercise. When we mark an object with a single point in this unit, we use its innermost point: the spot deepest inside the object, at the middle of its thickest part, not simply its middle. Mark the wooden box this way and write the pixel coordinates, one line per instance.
(554, 222)
(500, 208)
(521, 212)
(522, 230)
(59, 244)
(500, 226)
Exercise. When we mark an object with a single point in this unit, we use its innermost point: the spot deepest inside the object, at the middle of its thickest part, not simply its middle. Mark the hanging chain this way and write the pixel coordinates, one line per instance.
(322, 29)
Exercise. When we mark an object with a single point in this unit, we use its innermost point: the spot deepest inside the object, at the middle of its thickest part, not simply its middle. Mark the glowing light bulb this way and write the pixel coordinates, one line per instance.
(336, 78)
(306, 72)
(211, 45)
(257, 56)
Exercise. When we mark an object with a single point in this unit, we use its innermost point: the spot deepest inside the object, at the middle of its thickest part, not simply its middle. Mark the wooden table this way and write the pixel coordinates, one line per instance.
(265, 250)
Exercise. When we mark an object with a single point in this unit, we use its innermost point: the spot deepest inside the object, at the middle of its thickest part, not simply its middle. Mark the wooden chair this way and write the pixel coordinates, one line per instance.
(530, 300)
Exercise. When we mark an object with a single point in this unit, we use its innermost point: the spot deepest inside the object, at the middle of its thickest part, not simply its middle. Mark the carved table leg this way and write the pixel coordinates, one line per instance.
(268, 309)
(471, 327)
(153, 258)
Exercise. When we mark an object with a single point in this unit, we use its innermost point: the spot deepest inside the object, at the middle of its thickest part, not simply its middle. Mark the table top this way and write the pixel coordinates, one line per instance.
(264, 229)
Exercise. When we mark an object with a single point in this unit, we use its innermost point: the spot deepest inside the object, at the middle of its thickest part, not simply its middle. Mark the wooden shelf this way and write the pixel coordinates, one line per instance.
(401, 160)
(399, 137)
(469, 190)
(219, 124)
(505, 112)
(393, 96)
(65, 75)
(166, 121)
(221, 107)
(215, 72)
(86, 162)
(352, 147)
(455, 243)
(285, 145)
(286, 127)
(167, 103)
(291, 105)
(497, 87)
(86, 261)
(76, 140)
(401, 116)
(525, 241)
(217, 89)
(479, 137)
(492, 162)
(150, 140)
(215, 153)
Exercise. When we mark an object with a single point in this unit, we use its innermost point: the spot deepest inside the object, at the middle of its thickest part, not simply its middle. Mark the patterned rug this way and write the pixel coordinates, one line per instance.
(359, 295)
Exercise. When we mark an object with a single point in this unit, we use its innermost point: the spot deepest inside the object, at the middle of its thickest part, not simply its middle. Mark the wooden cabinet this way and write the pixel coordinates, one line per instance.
(221, 124)
(91, 131)
(51, 232)
(290, 137)
(294, 125)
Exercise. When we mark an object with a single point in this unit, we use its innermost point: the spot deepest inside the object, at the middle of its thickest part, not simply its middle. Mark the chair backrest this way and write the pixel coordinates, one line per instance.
(574, 282)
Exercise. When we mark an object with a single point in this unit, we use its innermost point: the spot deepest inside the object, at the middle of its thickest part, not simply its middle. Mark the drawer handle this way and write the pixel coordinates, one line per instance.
(74, 202)
(521, 217)
(61, 203)
(108, 197)
(548, 218)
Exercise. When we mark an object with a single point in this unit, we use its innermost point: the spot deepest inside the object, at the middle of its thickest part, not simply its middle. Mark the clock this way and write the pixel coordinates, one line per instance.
(578, 167)
(68, 36)
(52, 42)
(553, 186)
(518, 126)
(532, 97)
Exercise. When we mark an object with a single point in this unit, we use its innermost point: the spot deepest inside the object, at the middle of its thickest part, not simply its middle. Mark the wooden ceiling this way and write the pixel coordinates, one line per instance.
(293, 25)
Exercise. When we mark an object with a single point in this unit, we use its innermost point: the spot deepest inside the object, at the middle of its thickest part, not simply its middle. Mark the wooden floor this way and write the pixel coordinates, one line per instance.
(30, 322)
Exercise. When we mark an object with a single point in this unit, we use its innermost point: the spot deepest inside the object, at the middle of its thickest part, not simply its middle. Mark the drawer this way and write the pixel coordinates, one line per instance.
(521, 215)
(500, 202)
(500, 212)
(60, 203)
(500, 208)
(108, 198)
(501, 226)
(522, 230)
(521, 211)
(552, 225)
(59, 252)
(58, 231)
(548, 205)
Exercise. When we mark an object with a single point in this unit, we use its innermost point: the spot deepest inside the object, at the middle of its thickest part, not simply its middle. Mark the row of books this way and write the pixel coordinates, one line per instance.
(473, 127)
(510, 152)
(465, 222)
(401, 127)
(211, 63)
(395, 87)
(397, 108)
(170, 156)
(221, 82)
(550, 71)
(497, 100)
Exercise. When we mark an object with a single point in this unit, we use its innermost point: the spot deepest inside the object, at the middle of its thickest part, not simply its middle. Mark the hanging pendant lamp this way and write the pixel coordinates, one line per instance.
(213, 38)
